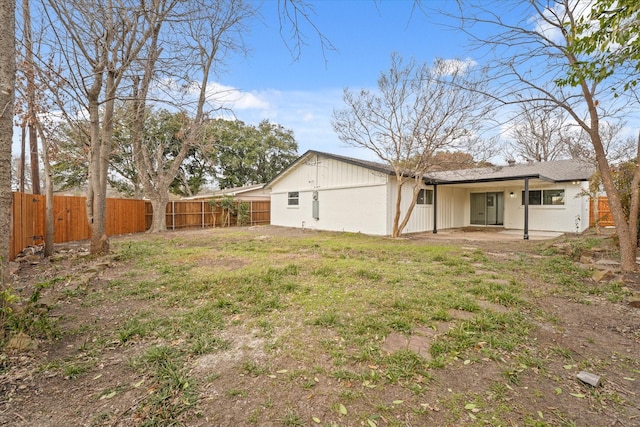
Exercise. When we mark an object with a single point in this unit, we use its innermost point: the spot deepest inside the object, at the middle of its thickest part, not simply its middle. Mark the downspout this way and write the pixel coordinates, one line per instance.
(526, 209)
(435, 208)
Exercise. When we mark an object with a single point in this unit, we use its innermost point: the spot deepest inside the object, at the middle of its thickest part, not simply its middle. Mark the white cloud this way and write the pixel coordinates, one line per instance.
(454, 66)
(307, 113)
(230, 97)
(548, 26)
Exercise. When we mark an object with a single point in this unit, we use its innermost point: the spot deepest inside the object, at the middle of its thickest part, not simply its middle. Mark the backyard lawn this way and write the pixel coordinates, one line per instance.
(269, 326)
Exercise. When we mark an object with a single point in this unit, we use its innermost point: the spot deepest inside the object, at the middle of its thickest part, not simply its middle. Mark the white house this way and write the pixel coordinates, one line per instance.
(330, 192)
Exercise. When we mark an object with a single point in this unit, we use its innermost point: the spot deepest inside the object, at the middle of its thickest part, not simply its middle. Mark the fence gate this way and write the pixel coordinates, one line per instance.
(28, 222)
(604, 217)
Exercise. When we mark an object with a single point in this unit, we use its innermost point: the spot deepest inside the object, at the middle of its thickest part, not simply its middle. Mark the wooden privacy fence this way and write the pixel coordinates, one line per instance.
(200, 213)
(70, 219)
(124, 216)
(605, 219)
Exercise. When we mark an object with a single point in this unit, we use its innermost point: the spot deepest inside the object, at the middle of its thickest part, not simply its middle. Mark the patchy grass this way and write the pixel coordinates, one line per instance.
(292, 329)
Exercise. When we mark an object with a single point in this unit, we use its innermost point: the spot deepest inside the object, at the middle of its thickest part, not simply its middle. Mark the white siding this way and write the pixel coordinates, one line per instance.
(356, 199)
(452, 202)
(571, 217)
(351, 198)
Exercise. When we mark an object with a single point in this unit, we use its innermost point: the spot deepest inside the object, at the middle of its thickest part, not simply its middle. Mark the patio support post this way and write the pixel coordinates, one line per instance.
(435, 208)
(526, 209)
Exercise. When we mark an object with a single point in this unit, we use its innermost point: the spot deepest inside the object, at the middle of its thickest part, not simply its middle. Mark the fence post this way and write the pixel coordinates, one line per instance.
(202, 213)
(173, 215)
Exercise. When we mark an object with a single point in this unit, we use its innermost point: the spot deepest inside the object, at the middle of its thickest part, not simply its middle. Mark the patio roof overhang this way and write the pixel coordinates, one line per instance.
(483, 181)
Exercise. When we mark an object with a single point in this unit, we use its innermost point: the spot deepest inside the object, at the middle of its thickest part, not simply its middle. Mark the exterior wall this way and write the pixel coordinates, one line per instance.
(571, 217)
(454, 208)
(450, 214)
(422, 216)
(351, 198)
(452, 204)
(356, 199)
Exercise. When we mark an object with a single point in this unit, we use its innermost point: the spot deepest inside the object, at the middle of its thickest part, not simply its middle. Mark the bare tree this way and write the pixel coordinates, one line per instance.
(208, 31)
(99, 41)
(529, 58)
(7, 87)
(417, 111)
(541, 133)
(31, 116)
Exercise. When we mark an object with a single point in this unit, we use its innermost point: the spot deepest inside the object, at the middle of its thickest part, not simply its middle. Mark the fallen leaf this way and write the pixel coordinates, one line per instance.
(398, 402)
(282, 371)
(139, 383)
(558, 390)
(540, 415)
(578, 395)
(316, 420)
(372, 423)
(629, 378)
(466, 362)
(470, 406)
(343, 409)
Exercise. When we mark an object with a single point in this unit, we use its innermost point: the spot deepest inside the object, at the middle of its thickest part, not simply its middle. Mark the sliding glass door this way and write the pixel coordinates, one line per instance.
(487, 208)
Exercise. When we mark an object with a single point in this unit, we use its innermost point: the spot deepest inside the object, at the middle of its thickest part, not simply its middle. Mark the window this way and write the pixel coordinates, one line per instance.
(553, 197)
(545, 197)
(293, 198)
(535, 197)
(425, 197)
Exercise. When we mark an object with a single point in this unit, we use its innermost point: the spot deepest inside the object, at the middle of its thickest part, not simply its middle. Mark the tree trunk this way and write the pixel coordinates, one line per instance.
(35, 162)
(102, 150)
(159, 221)
(407, 215)
(627, 238)
(31, 98)
(23, 163)
(396, 217)
(49, 234)
(95, 198)
(7, 91)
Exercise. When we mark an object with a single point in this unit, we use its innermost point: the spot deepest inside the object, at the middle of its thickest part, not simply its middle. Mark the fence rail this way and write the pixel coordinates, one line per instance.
(124, 216)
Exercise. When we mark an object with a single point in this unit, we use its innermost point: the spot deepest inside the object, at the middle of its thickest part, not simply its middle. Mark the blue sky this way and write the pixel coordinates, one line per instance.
(301, 95)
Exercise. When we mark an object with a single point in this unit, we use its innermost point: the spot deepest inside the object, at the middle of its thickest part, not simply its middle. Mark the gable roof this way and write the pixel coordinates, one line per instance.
(375, 166)
(553, 171)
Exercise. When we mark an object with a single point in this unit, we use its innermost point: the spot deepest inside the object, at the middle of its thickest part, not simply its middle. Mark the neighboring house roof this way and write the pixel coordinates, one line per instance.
(235, 191)
(554, 171)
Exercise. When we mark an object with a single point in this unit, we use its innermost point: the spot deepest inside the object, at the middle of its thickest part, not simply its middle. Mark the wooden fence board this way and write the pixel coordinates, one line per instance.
(200, 213)
(604, 213)
(124, 216)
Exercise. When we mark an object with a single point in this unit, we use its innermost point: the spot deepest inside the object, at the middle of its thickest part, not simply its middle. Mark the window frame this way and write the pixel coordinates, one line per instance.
(293, 199)
(425, 197)
(547, 195)
(540, 197)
